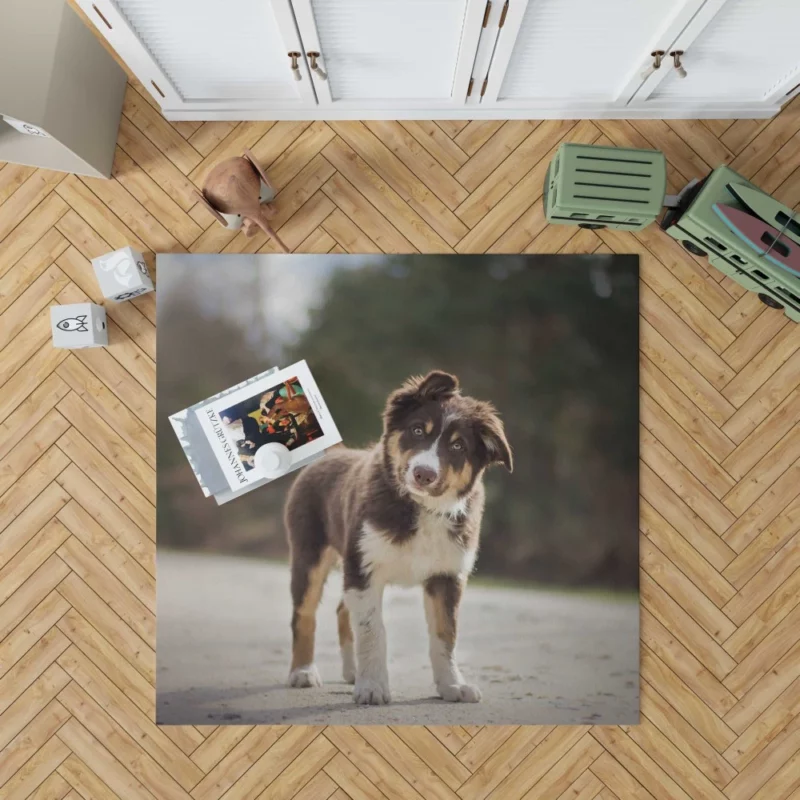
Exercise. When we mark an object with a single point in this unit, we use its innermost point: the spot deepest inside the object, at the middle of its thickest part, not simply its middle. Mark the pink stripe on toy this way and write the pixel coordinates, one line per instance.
(764, 239)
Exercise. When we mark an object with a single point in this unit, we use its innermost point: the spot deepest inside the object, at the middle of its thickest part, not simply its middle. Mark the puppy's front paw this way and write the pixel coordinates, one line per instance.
(460, 693)
(303, 677)
(370, 692)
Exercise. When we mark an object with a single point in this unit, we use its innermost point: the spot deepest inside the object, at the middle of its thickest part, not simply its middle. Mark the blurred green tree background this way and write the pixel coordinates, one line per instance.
(552, 341)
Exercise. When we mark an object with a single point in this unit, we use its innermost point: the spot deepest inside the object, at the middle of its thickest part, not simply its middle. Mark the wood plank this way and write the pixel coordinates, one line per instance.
(680, 553)
(106, 584)
(209, 134)
(367, 228)
(681, 444)
(160, 132)
(30, 230)
(153, 198)
(91, 768)
(437, 143)
(682, 661)
(25, 199)
(130, 718)
(707, 651)
(686, 485)
(493, 152)
(120, 744)
(163, 172)
(685, 339)
(238, 761)
(685, 412)
(666, 726)
(12, 176)
(300, 151)
(109, 624)
(18, 279)
(685, 702)
(383, 197)
(402, 180)
(683, 591)
(427, 169)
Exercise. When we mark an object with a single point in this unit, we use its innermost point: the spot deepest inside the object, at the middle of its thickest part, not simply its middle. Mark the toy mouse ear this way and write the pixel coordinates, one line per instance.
(214, 213)
(257, 167)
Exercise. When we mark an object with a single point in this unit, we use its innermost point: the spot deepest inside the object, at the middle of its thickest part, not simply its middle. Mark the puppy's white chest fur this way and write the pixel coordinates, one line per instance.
(430, 551)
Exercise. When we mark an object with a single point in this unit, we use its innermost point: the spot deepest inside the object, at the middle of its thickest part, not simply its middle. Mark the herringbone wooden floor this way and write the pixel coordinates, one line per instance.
(720, 469)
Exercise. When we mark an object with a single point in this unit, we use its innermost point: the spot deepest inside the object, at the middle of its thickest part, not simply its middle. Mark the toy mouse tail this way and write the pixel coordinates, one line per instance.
(270, 231)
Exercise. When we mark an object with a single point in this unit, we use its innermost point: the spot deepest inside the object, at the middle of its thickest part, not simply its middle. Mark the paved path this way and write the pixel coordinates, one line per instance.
(539, 657)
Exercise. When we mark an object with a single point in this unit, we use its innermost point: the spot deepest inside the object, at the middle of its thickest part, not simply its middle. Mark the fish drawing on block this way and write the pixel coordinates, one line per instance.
(764, 239)
(77, 324)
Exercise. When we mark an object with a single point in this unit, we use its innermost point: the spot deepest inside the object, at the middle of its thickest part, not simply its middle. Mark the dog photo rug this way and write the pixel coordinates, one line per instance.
(466, 555)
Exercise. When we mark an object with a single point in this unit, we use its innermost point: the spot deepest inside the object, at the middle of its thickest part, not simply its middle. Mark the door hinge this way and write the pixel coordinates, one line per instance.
(483, 88)
(487, 12)
(469, 88)
(503, 15)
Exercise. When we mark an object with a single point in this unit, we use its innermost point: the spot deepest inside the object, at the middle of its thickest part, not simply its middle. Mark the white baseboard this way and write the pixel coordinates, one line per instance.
(754, 111)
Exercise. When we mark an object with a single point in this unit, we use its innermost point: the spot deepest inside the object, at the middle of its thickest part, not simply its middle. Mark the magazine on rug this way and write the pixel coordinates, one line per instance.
(282, 408)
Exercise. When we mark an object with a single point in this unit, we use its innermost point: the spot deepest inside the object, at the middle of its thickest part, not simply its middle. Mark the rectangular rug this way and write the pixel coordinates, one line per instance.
(467, 555)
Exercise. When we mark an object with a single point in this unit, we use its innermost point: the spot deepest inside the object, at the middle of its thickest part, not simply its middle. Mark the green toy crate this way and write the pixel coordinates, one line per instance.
(605, 187)
(696, 225)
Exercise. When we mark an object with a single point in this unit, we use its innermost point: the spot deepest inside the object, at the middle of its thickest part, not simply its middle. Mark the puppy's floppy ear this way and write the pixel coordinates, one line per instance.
(435, 385)
(493, 437)
(416, 391)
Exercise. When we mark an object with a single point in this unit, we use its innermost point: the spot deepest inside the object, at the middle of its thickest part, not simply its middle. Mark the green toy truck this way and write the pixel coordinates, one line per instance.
(609, 187)
(701, 231)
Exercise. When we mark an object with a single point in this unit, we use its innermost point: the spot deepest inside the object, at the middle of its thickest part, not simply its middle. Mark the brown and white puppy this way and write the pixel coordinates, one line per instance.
(406, 511)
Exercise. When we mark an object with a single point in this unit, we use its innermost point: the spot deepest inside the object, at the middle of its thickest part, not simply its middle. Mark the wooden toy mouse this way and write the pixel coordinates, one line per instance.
(234, 187)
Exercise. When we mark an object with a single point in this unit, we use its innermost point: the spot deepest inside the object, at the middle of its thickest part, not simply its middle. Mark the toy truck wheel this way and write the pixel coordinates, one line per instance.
(592, 226)
(693, 248)
(769, 301)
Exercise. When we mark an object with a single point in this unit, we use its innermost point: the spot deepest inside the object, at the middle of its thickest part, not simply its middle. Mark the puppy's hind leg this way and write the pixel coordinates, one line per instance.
(308, 579)
(346, 643)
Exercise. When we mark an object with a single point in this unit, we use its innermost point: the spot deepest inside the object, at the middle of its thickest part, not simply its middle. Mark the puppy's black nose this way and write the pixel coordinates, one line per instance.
(424, 476)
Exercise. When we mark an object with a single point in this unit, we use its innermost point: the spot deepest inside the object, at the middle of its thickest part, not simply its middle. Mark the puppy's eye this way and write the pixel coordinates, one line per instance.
(418, 430)
(457, 445)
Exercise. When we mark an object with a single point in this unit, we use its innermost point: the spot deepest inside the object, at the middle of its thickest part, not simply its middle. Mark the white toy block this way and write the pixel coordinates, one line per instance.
(122, 274)
(78, 325)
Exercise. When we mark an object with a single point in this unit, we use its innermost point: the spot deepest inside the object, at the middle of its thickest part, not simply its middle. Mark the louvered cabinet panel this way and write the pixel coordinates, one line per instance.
(390, 51)
(747, 52)
(222, 50)
(582, 50)
(221, 56)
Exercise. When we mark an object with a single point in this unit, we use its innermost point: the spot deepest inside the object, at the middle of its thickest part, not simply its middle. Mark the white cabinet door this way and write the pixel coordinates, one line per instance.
(579, 53)
(736, 51)
(230, 55)
(390, 54)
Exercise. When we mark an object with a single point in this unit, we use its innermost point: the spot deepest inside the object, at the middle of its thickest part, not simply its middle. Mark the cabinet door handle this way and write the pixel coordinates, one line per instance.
(676, 59)
(658, 56)
(295, 66)
(313, 56)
